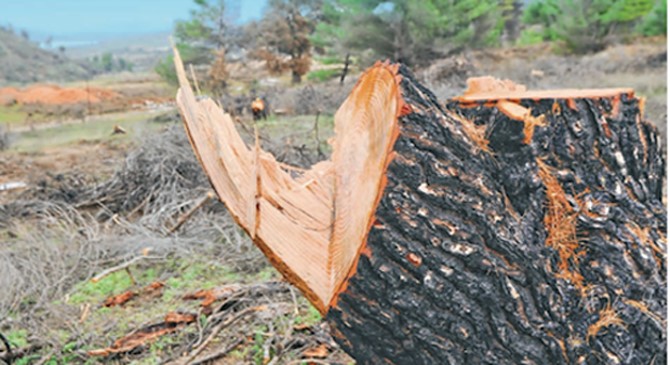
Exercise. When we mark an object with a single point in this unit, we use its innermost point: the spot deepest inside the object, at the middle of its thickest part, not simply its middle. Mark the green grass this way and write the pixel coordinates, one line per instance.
(323, 75)
(266, 274)
(18, 338)
(181, 276)
(90, 292)
(310, 317)
(93, 130)
(529, 37)
(11, 115)
(331, 60)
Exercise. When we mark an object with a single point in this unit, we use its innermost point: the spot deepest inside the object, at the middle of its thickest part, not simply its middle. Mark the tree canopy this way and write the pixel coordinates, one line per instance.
(292, 32)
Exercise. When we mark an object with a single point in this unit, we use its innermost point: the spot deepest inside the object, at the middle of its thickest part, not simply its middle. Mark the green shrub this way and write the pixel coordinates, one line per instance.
(323, 75)
(586, 26)
(656, 22)
(189, 54)
(331, 60)
(529, 37)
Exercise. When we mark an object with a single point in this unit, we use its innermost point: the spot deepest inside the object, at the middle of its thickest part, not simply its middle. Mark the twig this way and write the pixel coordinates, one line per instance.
(316, 134)
(8, 348)
(218, 354)
(141, 205)
(345, 70)
(310, 361)
(130, 274)
(199, 324)
(44, 359)
(122, 266)
(216, 331)
(19, 353)
(184, 217)
(268, 343)
(296, 311)
(84, 313)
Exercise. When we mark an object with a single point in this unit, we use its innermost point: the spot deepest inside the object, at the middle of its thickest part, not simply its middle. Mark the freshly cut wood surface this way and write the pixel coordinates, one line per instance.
(288, 218)
(311, 227)
(365, 130)
(545, 94)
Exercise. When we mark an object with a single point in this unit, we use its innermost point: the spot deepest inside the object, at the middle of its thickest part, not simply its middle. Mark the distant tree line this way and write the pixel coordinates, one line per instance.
(590, 25)
(107, 62)
(414, 32)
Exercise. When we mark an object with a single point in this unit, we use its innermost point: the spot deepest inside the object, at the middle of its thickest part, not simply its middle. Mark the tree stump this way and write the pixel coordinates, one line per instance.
(505, 227)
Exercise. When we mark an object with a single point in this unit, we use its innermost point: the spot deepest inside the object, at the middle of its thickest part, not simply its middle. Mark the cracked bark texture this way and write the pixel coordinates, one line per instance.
(504, 241)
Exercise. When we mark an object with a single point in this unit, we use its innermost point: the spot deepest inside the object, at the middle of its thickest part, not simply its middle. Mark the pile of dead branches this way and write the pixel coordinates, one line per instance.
(68, 228)
(154, 177)
(236, 311)
(156, 181)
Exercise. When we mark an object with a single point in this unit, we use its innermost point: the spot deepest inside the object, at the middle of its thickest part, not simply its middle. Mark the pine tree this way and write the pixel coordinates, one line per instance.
(410, 31)
(586, 25)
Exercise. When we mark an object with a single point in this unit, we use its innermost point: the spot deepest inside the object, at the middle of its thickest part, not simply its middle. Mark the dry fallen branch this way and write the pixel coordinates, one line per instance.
(183, 218)
(210, 296)
(8, 348)
(218, 354)
(120, 299)
(123, 266)
(17, 353)
(216, 330)
(151, 290)
(172, 322)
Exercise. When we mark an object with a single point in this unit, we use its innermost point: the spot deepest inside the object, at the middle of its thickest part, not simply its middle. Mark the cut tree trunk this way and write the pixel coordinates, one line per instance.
(507, 227)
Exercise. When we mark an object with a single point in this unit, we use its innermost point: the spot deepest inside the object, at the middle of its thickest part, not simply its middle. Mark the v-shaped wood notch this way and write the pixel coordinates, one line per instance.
(311, 227)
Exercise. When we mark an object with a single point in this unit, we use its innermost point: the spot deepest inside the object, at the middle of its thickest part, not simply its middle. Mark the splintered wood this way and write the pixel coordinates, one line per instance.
(310, 226)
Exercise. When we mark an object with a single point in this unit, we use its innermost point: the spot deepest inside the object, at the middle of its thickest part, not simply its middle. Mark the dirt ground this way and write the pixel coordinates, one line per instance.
(95, 159)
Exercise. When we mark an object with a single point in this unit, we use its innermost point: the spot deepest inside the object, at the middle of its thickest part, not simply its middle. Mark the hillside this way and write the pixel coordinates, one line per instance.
(22, 61)
(144, 51)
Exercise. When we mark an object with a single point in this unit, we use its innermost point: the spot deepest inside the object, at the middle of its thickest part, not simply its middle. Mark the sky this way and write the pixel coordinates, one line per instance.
(100, 19)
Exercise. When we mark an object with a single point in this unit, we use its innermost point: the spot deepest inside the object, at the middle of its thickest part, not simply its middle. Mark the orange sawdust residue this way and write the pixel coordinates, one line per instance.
(561, 344)
(608, 317)
(639, 305)
(556, 108)
(476, 133)
(642, 234)
(560, 222)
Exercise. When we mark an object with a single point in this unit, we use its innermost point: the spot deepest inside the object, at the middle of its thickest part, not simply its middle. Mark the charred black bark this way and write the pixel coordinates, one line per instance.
(497, 251)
